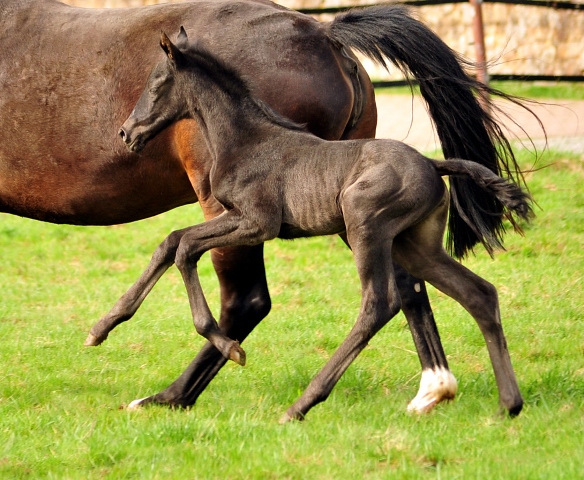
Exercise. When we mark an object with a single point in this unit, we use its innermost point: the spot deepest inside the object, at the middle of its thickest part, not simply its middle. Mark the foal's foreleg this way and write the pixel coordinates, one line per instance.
(128, 304)
(229, 229)
(245, 301)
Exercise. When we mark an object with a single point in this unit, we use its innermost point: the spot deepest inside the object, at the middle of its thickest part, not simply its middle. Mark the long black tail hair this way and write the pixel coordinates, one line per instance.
(459, 105)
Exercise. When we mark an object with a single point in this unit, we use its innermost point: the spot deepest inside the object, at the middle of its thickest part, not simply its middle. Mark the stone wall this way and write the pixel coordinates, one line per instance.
(518, 39)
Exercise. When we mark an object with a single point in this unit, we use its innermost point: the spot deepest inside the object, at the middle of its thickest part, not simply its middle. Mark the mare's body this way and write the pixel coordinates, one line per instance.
(276, 180)
(69, 76)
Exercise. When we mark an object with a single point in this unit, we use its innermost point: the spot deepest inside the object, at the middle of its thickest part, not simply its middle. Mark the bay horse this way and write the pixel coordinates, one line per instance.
(69, 76)
(274, 179)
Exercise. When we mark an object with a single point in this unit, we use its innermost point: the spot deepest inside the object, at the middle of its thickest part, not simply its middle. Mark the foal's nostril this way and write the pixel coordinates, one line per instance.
(122, 134)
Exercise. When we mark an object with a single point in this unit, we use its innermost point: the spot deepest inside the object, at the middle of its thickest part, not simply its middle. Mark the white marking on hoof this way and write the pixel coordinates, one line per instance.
(136, 404)
(417, 287)
(435, 386)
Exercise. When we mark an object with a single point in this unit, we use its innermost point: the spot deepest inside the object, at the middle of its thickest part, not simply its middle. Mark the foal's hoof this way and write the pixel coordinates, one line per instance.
(93, 341)
(287, 417)
(237, 354)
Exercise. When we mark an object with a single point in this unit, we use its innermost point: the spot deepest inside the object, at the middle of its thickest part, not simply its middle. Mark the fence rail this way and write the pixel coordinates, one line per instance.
(478, 29)
(423, 3)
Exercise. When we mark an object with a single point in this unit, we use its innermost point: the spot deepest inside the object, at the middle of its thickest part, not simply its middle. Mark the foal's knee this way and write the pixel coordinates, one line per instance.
(394, 306)
(485, 301)
(186, 256)
(376, 313)
(486, 297)
(166, 251)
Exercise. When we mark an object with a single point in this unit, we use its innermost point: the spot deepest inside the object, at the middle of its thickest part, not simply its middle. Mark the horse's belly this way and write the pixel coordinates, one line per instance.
(93, 198)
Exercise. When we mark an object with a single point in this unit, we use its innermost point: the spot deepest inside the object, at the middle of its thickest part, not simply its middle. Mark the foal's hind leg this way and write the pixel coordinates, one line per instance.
(420, 251)
(380, 301)
(437, 383)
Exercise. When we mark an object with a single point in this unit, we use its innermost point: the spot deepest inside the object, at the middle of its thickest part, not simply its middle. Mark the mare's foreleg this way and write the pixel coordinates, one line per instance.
(128, 304)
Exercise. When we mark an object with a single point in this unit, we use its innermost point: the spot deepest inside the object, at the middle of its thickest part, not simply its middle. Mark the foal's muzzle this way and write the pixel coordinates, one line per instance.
(135, 145)
(122, 133)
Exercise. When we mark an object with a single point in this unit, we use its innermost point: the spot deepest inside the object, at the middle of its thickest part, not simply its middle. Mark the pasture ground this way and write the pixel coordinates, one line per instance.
(59, 416)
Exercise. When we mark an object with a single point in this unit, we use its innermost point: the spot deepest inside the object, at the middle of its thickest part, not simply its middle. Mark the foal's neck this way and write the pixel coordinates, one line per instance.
(228, 116)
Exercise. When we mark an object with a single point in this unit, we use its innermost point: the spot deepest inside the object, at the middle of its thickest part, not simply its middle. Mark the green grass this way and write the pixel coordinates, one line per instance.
(59, 416)
(534, 90)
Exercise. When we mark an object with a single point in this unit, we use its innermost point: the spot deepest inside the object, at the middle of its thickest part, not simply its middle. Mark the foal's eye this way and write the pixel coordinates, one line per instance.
(156, 88)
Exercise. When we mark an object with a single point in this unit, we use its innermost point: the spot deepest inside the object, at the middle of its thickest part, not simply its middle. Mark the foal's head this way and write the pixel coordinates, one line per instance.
(163, 101)
(178, 87)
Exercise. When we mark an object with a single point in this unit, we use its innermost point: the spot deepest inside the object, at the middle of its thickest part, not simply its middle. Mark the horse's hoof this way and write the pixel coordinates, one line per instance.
(237, 354)
(136, 404)
(93, 341)
(435, 386)
(285, 419)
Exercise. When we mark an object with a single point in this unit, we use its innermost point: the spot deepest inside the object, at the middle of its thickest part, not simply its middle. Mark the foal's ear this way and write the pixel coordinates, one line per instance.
(182, 38)
(170, 49)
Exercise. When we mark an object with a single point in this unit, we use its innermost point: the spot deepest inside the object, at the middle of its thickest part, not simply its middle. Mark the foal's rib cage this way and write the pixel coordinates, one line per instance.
(393, 204)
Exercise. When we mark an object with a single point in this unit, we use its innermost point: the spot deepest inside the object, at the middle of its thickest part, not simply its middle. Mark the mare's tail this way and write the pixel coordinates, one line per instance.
(465, 127)
(507, 192)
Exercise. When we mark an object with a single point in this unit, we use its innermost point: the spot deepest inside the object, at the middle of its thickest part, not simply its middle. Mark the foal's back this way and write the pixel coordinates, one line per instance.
(350, 181)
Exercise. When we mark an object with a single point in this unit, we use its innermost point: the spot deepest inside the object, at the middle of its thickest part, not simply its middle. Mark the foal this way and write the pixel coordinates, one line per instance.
(276, 180)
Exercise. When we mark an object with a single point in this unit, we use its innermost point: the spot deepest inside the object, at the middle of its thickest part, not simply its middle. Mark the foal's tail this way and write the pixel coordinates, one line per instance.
(464, 124)
(507, 192)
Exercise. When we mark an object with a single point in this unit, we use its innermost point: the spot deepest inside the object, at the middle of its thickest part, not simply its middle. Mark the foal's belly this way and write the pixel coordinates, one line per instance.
(289, 232)
(311, 213)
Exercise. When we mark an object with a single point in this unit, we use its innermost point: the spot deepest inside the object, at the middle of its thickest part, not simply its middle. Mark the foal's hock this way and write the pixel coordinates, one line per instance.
(274, 179)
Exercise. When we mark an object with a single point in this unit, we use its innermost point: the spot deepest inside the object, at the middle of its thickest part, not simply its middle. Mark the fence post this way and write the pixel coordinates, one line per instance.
(479, 41)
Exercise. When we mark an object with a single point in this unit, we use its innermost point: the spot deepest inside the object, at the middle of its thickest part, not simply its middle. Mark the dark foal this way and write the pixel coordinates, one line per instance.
(75, 73)
(274, 179)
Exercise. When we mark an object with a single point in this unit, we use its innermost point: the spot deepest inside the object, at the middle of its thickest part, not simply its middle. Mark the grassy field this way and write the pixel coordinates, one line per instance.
(59, 415)
(534, 90)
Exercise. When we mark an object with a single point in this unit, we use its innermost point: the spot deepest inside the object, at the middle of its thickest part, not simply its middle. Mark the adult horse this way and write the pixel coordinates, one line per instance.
(67, 83)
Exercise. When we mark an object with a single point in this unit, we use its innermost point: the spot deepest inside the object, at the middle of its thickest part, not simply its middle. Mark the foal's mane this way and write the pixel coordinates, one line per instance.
(233, 84)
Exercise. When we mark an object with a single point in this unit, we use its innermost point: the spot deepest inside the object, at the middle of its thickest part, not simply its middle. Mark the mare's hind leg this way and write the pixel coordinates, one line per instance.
(437, 382)
(420, 251)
